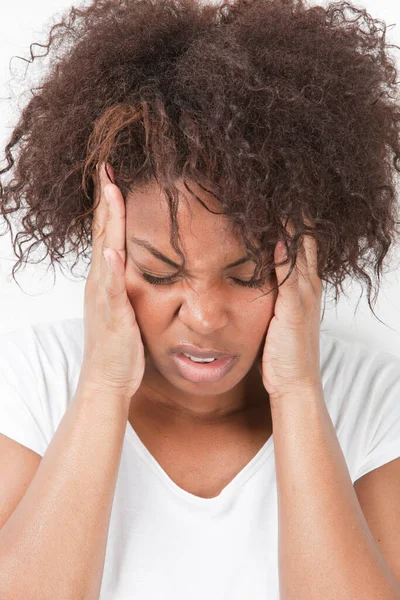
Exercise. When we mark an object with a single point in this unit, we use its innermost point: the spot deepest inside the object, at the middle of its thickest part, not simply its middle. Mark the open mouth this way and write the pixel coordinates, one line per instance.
(203, 371)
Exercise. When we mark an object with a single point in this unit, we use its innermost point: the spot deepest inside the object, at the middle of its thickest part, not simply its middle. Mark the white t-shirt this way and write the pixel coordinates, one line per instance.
(167, 543)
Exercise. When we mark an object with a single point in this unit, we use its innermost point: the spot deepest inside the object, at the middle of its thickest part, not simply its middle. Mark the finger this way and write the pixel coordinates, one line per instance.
(310, 253)
(100, 212)
(311, 256)
(114, 236)
(304, 277)
(309, 279)
(282, 271)
(120, 309)
(305, 252)
(100, 216)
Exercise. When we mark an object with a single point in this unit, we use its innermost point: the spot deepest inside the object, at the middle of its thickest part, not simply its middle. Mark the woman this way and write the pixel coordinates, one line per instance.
(225, 160)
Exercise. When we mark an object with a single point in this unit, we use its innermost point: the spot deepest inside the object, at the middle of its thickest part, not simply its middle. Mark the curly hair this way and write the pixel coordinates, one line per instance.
(280, 110)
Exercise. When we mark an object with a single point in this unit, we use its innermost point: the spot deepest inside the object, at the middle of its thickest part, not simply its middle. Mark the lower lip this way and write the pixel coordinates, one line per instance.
(199, 372)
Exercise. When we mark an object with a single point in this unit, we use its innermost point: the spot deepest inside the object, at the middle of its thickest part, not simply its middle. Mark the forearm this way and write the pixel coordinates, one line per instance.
(53, 545)
(326, 549)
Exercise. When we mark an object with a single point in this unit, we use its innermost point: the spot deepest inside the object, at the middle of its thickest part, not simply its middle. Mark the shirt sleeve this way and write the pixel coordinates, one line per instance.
(21, 412)
(380, 415)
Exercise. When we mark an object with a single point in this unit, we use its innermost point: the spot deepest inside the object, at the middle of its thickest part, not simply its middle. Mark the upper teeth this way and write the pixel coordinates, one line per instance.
(199, 359)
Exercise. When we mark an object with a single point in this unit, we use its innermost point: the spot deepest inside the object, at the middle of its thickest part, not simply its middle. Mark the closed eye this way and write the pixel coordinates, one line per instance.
(166, 280)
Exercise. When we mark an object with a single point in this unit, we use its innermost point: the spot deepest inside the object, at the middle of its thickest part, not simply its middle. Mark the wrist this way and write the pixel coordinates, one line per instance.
(310, 393)
(94, 392)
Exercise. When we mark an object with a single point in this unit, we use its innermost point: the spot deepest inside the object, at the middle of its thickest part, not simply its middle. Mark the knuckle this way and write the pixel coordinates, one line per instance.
(112, 293)
(97, 228)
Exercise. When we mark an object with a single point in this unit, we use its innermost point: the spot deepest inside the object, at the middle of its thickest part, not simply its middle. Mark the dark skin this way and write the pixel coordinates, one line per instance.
(201, 457)
(210, 429)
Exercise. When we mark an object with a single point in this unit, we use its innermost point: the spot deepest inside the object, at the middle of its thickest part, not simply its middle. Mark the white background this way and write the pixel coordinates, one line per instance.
(38, 298)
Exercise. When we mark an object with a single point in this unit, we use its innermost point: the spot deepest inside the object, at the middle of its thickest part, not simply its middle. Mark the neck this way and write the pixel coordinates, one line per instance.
(248, 401)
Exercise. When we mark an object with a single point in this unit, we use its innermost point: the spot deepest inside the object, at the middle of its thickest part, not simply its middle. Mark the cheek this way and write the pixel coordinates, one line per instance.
(142, 300)
(151, 318)
(153, 309)
(144, 303)
(255, 325)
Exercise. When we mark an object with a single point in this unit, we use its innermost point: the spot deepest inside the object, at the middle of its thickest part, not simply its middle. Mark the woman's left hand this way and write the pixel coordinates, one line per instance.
(291, 360)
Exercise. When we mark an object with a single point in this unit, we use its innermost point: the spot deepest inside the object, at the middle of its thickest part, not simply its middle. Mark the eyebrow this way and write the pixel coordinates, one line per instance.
(168, 261)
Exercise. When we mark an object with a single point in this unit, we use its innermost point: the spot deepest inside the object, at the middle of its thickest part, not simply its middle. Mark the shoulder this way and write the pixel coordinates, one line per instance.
(355, 364)
(362, 394)
(40, 365)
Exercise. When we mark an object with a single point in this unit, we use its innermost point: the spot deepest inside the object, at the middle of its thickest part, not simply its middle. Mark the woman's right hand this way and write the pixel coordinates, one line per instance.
(113, 358)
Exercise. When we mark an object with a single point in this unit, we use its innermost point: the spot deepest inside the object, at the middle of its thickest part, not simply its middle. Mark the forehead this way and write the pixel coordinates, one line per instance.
(147, 215)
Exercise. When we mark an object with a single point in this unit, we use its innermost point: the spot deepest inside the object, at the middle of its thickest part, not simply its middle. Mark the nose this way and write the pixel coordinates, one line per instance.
(204, 312)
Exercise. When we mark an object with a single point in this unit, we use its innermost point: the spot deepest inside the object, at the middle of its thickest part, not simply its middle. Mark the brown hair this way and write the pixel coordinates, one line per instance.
(279, 109)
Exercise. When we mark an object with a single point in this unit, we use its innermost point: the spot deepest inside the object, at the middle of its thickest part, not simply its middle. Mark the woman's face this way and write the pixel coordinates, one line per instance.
(203, 306)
